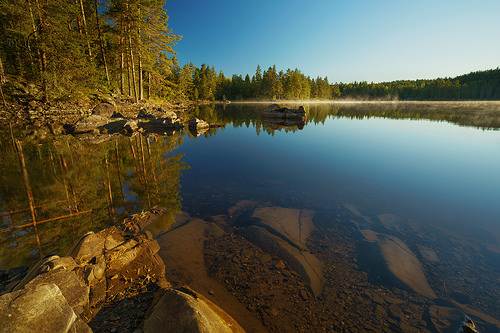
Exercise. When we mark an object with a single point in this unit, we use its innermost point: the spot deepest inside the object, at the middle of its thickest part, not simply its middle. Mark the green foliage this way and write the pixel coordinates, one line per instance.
(69, 46)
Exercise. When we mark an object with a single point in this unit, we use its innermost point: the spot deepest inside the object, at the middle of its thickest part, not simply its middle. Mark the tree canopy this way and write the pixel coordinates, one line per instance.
(67, 46)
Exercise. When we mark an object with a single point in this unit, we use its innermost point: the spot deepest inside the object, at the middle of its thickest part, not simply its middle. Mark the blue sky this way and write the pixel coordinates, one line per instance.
(349, 40)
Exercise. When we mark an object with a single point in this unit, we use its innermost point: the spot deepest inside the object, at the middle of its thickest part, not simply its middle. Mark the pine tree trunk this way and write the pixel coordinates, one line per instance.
(132, 69)
(129, 80)
(141, 86)
(139, 43)
(122, 74)
(149, 85)
(43, 55)
(101, 43)
(2, 81)
(78, 21)
(122, 59)
(85, 29)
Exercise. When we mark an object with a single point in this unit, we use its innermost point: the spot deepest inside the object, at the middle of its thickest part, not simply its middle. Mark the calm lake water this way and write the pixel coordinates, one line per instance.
(434, 167)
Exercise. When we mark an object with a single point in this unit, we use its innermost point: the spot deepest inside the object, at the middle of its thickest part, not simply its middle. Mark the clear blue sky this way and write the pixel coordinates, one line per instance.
(347, 40)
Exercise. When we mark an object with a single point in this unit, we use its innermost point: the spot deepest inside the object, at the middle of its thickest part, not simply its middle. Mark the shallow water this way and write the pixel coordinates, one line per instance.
(431, 185)
(434, 172)
(425, 177)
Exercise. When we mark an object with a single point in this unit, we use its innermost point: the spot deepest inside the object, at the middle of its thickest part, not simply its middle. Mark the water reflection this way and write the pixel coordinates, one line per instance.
(383, 186)
(79, 187)
(420, 188)
(483, 115)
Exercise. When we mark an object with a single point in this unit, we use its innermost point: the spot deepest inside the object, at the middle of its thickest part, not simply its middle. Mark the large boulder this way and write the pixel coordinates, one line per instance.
(74, 291)
(277, 109)
(39, 308)
(89, 123)
(104, 109)
(160, 125)
(59, 271)
(178, 312)
(198, 124)
(89, 247)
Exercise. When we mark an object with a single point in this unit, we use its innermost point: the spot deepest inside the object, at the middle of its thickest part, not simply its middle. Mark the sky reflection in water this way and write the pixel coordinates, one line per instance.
(431, 172)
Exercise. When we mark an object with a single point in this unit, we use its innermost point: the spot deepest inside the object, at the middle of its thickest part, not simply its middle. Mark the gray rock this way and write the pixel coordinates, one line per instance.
(38, 309)
(176, 311)
(89, 123)
(280, 111)
(90, 246)
(198, 124)
(160, 125)
(75, 292)
(145, 114)
(104, 110)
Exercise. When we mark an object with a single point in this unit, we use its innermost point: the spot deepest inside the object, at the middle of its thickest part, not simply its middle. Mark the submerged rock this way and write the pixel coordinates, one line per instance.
(401, 261)
(304, 263)
(294, 225)
(182, 250)
(284, 232)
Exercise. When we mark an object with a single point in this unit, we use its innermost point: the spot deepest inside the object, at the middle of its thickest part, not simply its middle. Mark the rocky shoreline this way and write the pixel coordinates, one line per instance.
(105, 275)
(250, 270)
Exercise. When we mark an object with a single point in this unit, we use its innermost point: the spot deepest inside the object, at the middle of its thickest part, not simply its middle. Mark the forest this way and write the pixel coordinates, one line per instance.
(71, 49)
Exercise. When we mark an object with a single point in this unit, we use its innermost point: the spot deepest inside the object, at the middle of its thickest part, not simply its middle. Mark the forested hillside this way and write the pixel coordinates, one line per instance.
(72, 48)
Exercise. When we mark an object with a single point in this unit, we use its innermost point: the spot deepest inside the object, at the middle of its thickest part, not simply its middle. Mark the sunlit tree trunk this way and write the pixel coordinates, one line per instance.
(149, 85)
(132, 66)
(101, 43)
(141, 85)
(129, 80)
(84, 20)
(43, 55)
(122, 59)
(2, 81)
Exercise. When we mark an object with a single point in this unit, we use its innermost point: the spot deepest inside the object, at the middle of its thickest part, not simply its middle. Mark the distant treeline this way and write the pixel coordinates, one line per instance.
(68, 48)
(205, 83)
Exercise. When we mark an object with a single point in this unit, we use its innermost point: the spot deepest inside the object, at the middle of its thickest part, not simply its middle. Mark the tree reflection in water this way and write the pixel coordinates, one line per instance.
(93, 185)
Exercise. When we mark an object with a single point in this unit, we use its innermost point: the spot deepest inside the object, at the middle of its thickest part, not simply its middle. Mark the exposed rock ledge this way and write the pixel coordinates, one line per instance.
(63, 294)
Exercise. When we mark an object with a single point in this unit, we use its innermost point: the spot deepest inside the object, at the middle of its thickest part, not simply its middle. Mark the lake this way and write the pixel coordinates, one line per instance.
(401, 184)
